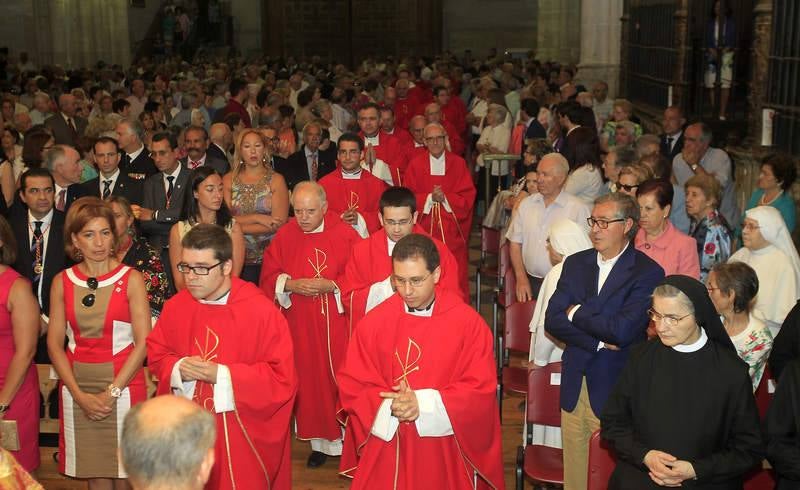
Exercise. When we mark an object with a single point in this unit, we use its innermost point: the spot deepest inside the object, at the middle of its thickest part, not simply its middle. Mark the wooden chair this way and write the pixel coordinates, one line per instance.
(516, 337)
(601, 463)
(490, 247)
(542, 464)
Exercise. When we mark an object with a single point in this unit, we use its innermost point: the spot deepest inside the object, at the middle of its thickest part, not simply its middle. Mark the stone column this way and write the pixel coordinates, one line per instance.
(247, 26)
(680, 92)
(600, 37)
(762, 27)
(557, 38)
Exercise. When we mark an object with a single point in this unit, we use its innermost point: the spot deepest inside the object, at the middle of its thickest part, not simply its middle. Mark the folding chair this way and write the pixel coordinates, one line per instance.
(505, 294)
(516, 337)
(542, 464)
(490, 247)
(601, 463)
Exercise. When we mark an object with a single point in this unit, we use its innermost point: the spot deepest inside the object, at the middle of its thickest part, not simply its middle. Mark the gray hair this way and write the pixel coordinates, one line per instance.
(311, 185)
(499, 111)
(53, 157)
(670, 291)
(135, 127)
(166, 457)
(627, 208)
(558, 158)
(705, 132)
(626, 155)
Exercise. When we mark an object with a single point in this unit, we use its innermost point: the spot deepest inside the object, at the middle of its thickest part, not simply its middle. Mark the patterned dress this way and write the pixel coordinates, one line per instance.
(100, 338)
(251, 199)
(145, 259)
(713, 237)
(753, 345)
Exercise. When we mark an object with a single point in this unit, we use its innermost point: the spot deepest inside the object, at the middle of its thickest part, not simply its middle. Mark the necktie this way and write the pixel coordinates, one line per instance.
(71, 126)
(170, 188)
(193, 165)
(36, 252)
(314, 166)
(126, 160)
(106, 188)
(62, 196)
(670, 139)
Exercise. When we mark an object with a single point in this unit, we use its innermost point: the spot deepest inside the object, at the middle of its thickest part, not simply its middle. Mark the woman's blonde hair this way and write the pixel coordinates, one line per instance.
(237, 155)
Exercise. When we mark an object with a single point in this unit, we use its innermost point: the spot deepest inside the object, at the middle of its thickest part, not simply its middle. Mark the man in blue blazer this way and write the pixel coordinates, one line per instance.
(599, 310)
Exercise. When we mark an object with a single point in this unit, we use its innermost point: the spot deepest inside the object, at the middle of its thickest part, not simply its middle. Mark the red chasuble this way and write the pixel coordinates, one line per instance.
(450, 227)
(456, 143)
(251, 338)
(455, 112)
(370, 262)
(363, 192)
(319, 332)
(451, 352)
(404, 110)
(391, 151)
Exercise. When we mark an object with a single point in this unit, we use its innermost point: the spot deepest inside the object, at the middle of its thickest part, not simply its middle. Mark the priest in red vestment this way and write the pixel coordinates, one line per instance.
(389, 127)
(221, 343)
(352, 192)
(383, 154)
(367, 276)
(416, 129)
(419, 385)
(302, 268)
(453, 109)
(405, 106)
(433, 114)
(446, 195)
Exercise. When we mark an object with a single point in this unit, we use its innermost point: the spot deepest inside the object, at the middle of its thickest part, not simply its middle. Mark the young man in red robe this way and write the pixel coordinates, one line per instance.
(454, 110)
(352, 192)
(221, 343)
(446, 195)
(367, 276)
(302, 268)
(418, 386)
(383, 154)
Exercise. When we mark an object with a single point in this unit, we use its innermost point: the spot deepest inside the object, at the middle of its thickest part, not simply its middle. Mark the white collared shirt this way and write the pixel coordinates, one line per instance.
(605, 267)
(352, 176)
(46, 221)
(174, 181)
(437, 164)
(374, 140)
(113, 178)
(133, 156)
(200, 163)
(309, 159)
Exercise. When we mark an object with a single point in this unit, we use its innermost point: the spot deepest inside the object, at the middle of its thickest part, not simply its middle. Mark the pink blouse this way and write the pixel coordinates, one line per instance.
(673, 250)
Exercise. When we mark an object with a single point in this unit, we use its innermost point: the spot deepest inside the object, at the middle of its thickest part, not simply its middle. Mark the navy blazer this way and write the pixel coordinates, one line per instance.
(617, 316)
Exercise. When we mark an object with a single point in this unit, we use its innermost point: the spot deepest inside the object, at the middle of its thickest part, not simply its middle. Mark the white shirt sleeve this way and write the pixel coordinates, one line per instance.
(378, 293)
(180, 387)
(283, 297)
(433, 420)
(385, 424)
(337, 295)
(429, 205)
(572, 313)
(223, 390)
(361, 226)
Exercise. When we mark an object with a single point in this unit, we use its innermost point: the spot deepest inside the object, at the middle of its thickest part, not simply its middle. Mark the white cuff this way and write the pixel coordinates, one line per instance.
(433, 420)
(385, 424)
(337, 295)
(223, 390)
(572, 313)
(361, 226)
(429, 205)
(283, 297)
(599, 346)
(179, 387)
(382, 171)
(447, 205)
(378, 293)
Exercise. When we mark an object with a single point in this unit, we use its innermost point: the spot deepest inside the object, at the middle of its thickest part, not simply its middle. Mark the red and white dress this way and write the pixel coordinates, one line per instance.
(100, 339)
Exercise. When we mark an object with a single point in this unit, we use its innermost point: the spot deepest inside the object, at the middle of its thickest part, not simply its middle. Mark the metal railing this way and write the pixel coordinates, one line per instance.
(783, 93)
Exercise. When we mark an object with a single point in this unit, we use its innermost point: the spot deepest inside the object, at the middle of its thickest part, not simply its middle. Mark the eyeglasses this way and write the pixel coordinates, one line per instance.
(602, 223)
(391, 222)
(88, 300)
(434, 139)
(668, 320)
(414, 281)
(628, 188)
(199, 270)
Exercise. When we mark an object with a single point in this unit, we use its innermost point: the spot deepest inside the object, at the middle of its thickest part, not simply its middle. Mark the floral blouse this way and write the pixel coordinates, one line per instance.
(753, 345)
(713, 237)
(145, 259)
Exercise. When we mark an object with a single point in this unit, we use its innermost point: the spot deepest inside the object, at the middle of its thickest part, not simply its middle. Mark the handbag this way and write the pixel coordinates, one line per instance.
(9, 435)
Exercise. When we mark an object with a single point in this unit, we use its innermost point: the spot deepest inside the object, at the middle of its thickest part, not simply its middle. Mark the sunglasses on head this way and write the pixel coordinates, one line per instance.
(88, 300)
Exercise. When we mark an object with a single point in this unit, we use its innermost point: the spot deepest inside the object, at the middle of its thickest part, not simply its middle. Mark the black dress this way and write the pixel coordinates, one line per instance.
(696, 406)
(783, 429)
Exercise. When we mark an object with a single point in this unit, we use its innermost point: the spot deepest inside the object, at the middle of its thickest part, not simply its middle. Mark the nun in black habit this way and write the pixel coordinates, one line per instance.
(783, 428)
(683, 412)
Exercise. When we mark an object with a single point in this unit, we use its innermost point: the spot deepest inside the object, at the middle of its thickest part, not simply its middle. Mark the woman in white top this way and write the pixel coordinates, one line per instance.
(564, 239)
(769, 250)
(582, 151)
(494, 139)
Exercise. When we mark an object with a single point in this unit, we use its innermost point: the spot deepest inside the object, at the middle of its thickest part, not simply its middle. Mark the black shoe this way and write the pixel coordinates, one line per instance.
(316, 459)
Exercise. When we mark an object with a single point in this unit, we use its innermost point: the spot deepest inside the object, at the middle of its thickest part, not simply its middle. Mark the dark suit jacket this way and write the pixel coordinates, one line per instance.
(617, 316)
(676, 149)
(74, 192)
(61, 132)
(216, 152)
(140, 168)
(155, 198)
(220, 165)
(130, 189)
(295, 168)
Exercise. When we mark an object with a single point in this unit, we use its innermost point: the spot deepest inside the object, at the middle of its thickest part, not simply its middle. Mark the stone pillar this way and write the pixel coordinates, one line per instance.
(557, 38)
(680, 92)
(247, 26)
(762, 27)
(600, 37)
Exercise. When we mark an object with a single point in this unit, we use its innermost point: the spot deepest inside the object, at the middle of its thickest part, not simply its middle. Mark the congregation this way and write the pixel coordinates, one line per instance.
(285, 244)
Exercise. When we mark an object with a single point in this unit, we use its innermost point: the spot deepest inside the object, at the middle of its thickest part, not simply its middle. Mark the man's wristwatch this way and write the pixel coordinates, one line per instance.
(114, 391)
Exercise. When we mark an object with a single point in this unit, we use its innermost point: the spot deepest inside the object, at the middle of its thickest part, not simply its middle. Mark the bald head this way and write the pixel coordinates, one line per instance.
(310, 204)
(220, 134)
(66, 103)
(551, 175)
(433, 113)
(402, 86)
(417, 128)
(168, 442)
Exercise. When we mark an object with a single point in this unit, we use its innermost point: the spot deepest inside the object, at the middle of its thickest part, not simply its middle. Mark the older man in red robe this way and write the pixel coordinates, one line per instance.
(446, 195)
(353, 193)
(221, 343)
(433, 114)
(302, 268)
(418, 386)
(383, 154)
(405, 106)
(367, 277)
